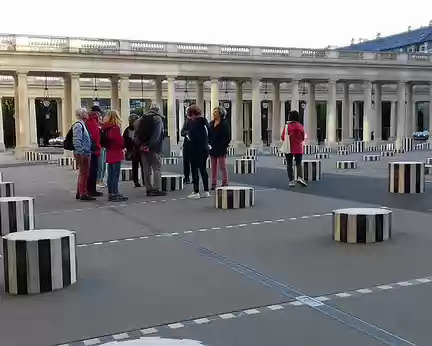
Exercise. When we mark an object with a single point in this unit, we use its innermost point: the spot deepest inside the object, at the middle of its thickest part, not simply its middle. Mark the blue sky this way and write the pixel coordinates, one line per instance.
(302, 23)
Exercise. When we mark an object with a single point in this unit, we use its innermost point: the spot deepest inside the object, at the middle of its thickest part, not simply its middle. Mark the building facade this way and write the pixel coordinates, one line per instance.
(341, 95)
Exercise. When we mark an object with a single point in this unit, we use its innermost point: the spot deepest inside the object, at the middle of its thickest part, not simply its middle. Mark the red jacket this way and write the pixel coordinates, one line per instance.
(94, 130)
(114, 151)
(297, 137)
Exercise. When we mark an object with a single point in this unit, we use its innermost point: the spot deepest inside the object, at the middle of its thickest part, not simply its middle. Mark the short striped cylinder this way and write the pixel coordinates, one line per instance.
(357, 147)
(247, 157)
(322, 156)
(324, 150)
(399, 151)
(172, 182)
(309, 149)
(346, 164)
(387, 153)
(371, 157)
(16, 214)
(386, 147)
(244, 166)
(342, 147)
(170, 160)
(31, 155)
(280, 154)
(74, 165)
(428, 169)
(371, 148)
(406, 177)
(362, 225)
(429, 161)
(408, 144)
(311, 170)
(7, 189)
(126, 174)
(39, 261)
(251, 152)
(342, 152)
(44, 157)
(422, 146)
(231, 151)
(65, 161)
(274, 150)
(235, 197)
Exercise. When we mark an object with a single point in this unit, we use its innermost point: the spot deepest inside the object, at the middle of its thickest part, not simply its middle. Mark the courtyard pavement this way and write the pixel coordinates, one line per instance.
(268, 275)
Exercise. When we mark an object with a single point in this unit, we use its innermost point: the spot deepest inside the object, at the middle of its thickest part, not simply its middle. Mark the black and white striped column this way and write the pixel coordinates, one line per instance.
(170, 160)
(357, 147)
(7, 189)
(231, 151)
(399, 151)
(65, 161)
(244, 166)
(172, 182)
(387, 153)
(251, 152)
(371, 157)
(74, 165)
(371, 148)
(235, 197)
(39, 261)
(126, 174)
(342, 152)
(387, 147)
(248, 157)
(16, 214)
(309, 149)
(44, 157)
(408, 144)
(324, 149)
(362, 225)
(346, 164)
(407, 177)
(311, 170)
(322, 156)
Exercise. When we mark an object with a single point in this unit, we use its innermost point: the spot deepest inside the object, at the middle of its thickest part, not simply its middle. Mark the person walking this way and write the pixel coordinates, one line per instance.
(186, 151)
(114, 144)
(293, 137)
(132, 150)
(199, 145)
(149, 137)
(82, 146)
(220, 138)
(94, 130)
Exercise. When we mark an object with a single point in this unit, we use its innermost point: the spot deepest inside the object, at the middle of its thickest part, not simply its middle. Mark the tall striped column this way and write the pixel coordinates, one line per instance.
(407, 177)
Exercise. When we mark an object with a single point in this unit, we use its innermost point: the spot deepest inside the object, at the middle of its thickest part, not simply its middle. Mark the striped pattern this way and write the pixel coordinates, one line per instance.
(371, 158)
(247, 157)
(244, 166)
(387, 153)
(231, 151)
(172, 182)
(387, 147)
(325, 150)
(274, 150)
(408, 144)
(342, 147)
(16, 214)
(7, 189)
(35, 156)
(309, 149)
(429, 161)
(39, 261)
(322, 156)
(65, 161)
(170, 160)
(346, 164)
(407, 177)
(399, 151)
(342, 152)
(362, 225)
(372, 148)
(423, 146)
(428, 169)
(235, 197)
(126, 174)
(311, 170)
(357, 147)
(251, 152)
(74, 165)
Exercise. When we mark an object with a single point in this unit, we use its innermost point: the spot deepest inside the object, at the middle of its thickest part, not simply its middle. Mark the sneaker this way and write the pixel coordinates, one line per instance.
(156, 193)
(137, 184)
(291, 184)
(206, 194)
(194, 195)
(96, 194)
(87, 198)
(301, 181)
(118, 198)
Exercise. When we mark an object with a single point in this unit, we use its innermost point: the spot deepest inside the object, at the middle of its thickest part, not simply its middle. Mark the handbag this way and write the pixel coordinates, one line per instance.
(286, 146)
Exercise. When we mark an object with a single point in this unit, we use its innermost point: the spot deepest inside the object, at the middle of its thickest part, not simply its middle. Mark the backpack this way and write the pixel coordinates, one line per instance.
(68, 141)
(104, 141)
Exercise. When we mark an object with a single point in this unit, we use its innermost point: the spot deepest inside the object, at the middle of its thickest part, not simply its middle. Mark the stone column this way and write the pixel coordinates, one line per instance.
(171, 116)
(75, 92)
(430, 110)
(346, 115)
(33, 138)
(158, 92)
(124, 101)
(2, 145)
(351, 119)
(214, 90)
(282, 118)
(22, 111)
(200, 94)
(331, 114)
(295, 95)
(401, 114)
(276, 121)
(409, 111)
(356, 120)
(367, 114)
(393, 123)
(181, 119)
(378, 113)
(256, 115)
(208, 111)
(68, 115)
(237, 119)
(310, 112)
(115, 93)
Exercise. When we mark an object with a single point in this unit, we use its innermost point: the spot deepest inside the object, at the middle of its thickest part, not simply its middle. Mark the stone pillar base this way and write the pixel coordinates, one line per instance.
(258, 145)
(2, 147)
(329, 144)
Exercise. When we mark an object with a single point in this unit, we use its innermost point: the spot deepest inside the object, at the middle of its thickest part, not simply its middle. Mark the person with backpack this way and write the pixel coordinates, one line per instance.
(112, 140)
(149, 137)
(92, 123)
(293, 137)
(132, 150)
(79, 141)
(199, 150)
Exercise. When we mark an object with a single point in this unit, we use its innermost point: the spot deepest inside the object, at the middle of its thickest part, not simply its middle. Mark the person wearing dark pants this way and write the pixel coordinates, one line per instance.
(186, 151)
(290, 169)
(93, 126)
(199, 151)
(132, 149)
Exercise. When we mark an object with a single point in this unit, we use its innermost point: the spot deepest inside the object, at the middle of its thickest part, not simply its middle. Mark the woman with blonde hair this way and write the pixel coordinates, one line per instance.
(112, 140)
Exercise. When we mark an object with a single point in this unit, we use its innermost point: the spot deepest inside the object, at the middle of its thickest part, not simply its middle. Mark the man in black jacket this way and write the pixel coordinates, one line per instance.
(186, 151)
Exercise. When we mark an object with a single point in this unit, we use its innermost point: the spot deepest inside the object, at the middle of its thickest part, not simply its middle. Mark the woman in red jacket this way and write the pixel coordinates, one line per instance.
(296, 137)
(113, 141)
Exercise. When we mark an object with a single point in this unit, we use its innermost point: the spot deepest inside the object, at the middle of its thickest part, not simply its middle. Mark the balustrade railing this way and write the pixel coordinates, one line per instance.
(28, 43)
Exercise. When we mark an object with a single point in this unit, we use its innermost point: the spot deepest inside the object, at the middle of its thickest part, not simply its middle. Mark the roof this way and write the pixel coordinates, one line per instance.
(404, 39)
